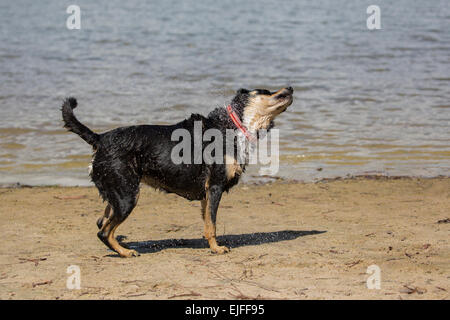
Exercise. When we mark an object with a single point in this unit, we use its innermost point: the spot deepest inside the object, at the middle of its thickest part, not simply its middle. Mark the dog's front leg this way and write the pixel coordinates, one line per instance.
(209, 214)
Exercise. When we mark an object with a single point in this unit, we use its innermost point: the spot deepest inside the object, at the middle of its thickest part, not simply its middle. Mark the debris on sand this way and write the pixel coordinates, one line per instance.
(35, 284)
(71, 197)
(410, 290)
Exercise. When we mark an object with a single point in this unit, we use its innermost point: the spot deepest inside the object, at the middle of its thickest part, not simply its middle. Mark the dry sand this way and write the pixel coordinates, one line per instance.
(288, 241)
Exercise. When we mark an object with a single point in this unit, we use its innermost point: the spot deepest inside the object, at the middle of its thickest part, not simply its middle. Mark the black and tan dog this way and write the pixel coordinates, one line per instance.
(126, 156)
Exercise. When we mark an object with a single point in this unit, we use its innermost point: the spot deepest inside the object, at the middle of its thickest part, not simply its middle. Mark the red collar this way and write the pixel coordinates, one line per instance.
(232, 114)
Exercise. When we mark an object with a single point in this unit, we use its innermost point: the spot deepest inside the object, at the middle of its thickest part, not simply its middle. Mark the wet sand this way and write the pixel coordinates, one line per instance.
(287, 240)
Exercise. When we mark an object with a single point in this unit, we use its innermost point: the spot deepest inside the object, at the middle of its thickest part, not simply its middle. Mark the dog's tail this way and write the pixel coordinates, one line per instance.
(72, 123)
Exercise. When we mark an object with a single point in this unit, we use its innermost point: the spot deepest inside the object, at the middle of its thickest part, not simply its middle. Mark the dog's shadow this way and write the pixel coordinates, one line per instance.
(231, 241)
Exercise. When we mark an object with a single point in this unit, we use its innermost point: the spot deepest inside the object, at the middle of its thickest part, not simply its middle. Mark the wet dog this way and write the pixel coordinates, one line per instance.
(126, 156)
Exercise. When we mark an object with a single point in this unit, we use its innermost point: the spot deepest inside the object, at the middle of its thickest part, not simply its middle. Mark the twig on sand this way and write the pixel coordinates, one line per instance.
(191, 294)
(135, 295)
(35, 284)
(230, 280)
(409, 290)
(259, 285)
(352, 264)
(71, 197)
(242, 296)
(36, 261)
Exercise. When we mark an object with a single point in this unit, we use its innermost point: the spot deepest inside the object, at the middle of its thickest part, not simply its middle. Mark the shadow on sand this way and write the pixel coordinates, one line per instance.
(231, 241)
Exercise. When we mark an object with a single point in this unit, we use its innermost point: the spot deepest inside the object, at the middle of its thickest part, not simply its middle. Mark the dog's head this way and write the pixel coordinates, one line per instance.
(259, 107)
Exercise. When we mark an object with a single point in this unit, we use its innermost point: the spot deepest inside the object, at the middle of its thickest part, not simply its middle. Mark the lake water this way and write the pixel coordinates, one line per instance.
(365, 100)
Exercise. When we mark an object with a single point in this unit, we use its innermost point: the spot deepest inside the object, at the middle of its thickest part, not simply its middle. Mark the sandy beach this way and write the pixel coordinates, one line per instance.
(288, 241)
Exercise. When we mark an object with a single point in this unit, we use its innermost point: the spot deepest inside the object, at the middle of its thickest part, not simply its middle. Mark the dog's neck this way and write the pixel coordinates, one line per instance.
(221, 120)
(249, 120)
(239, 125)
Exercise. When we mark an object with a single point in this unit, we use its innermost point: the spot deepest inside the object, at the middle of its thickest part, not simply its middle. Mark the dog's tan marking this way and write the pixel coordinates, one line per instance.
(262, 109)
(232, 167)
(203, 202)
(124, 253)
(210, 227)
(109, 228)
(207, 182)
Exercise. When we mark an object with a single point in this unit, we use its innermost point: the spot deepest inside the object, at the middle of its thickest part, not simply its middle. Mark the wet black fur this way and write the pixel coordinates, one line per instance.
(125, 156)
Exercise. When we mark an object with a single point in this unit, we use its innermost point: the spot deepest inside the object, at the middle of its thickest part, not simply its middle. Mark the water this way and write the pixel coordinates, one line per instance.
(365, 101)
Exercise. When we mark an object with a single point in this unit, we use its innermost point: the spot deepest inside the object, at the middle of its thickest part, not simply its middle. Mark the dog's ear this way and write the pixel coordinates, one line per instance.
(242, 91)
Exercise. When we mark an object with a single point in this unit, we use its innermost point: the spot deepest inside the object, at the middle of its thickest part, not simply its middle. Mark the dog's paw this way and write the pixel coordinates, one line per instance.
(220, 250)
(129, 253)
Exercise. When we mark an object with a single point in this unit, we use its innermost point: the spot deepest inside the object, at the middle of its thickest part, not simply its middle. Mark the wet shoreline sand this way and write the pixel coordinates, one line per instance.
(288, 240)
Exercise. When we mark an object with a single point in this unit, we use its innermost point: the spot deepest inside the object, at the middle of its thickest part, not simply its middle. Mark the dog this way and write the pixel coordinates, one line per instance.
(126, 156)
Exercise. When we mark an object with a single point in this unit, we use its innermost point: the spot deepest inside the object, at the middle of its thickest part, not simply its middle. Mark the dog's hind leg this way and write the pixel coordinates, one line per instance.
(120, 188)
(209, 214)
(118, 215)
(106, 235)
(101, 221)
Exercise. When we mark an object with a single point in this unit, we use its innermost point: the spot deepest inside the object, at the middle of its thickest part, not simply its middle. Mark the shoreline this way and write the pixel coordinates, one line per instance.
(258, 180)
(287, 240)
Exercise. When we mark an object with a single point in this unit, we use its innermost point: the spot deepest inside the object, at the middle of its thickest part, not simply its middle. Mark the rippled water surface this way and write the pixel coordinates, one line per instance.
(365, 101)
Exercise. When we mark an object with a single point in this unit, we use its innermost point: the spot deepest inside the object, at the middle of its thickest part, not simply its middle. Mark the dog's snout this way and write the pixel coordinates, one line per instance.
(290, 89)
